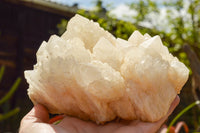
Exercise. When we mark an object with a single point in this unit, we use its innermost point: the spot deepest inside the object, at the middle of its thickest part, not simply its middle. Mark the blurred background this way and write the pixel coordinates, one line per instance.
(24, 24)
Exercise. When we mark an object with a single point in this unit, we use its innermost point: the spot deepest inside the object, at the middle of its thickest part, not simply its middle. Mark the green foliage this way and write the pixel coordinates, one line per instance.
(11, 91)
(143, 7)
(9, 114)
(181, 113)
(183, 28)
(2, 72)
(62, 26)
(8, 95)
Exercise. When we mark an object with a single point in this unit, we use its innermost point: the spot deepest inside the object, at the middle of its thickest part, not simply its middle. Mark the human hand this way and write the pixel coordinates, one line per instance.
(36, 121)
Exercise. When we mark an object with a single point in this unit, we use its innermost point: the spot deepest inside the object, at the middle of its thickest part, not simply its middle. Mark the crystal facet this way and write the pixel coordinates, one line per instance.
(89, 74)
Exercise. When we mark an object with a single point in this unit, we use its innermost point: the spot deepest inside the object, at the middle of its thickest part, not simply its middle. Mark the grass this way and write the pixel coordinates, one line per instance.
(7, 96)
(181, 113)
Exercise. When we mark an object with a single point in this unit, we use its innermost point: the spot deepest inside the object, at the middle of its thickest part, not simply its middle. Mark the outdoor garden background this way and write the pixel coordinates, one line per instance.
(24, 24)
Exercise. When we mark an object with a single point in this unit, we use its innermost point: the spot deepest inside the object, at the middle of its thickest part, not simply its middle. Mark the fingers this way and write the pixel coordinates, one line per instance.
(38, 114)
(73, 125)
(173, 105)
(36, 121)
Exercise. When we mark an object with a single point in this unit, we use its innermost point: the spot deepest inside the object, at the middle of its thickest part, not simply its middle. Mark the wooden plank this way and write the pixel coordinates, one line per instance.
(47, 6)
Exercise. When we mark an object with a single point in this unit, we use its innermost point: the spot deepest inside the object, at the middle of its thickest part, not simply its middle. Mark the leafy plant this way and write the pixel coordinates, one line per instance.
(8, 96)
(176, 129)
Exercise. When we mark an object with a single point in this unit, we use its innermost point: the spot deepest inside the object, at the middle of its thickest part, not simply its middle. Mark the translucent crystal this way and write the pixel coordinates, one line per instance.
(89, 74)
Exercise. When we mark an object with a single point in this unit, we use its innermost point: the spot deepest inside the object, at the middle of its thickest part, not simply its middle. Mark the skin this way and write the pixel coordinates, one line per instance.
(36, 121)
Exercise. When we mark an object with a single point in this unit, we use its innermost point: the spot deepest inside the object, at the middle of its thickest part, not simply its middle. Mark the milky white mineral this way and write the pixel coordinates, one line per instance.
(90, 74)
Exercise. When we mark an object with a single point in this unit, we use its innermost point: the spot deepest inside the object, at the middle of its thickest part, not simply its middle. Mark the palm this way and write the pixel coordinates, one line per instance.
(79, 126)
(36, 121)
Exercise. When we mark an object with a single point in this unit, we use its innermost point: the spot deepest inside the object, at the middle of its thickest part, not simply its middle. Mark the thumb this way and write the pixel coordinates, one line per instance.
(38, 114)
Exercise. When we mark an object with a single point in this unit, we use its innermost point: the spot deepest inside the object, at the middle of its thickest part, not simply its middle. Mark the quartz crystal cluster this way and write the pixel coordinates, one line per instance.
(90, 74)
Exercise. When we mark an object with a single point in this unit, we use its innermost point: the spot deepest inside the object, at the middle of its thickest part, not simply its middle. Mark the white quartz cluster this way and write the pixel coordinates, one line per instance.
(90, 74)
